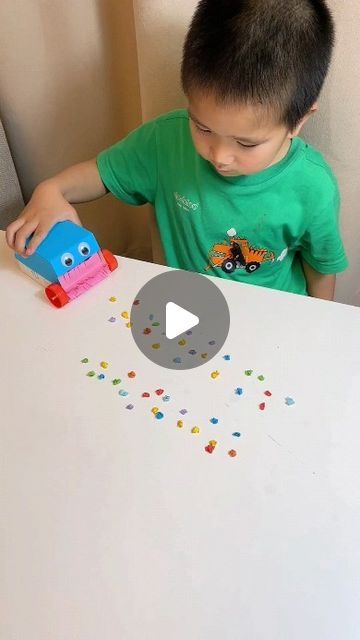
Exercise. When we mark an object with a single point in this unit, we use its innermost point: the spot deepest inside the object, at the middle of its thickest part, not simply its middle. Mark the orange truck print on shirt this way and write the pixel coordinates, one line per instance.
(237, 253)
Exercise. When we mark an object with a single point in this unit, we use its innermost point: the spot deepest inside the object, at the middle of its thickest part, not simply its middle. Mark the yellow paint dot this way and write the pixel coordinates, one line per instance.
(195, 430)
(180, 424)
(129, 325)
(182, 343)
(155, 410)
(104, 365)
(204, 356)
(156, 345)
(112, 299)
(125, 315)
(213, 443)
(215, 374)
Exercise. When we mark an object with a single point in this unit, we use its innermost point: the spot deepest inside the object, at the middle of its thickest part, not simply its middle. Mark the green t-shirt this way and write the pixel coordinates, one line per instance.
(251, 229)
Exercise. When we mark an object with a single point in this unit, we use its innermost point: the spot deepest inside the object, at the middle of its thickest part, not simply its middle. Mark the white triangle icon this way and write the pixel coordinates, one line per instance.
(178, 320)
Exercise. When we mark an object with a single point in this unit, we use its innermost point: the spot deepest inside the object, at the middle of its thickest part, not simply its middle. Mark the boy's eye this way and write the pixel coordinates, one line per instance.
(202, 130)
(246, 146)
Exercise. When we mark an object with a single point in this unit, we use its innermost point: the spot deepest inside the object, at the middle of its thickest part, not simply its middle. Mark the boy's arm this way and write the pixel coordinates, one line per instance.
(319, 285)
(50, 203)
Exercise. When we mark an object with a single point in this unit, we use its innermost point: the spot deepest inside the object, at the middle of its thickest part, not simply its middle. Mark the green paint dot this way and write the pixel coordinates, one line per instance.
(116, 381)
(261, 378)
(85, 360)
(249, 372)
(91, 374)
(155, 324)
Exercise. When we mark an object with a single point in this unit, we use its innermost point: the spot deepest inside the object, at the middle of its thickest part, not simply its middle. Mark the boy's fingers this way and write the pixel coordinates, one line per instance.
(22, 235)
(39, 235)
(12, 230)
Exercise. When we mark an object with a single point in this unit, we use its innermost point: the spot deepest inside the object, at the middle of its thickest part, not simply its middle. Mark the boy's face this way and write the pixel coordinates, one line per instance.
(236, 139)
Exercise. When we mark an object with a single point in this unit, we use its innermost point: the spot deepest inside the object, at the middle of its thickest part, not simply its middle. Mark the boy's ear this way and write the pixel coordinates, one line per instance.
(295, 132)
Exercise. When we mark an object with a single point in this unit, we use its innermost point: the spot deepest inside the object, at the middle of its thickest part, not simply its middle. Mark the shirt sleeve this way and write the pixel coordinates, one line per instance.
(321, 245)
(129, 168)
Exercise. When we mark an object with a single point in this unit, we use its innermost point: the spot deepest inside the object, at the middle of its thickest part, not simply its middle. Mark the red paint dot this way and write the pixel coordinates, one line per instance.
(209, 448)
(146, 394)
(262, 406)
(159, 392)
(267, 393)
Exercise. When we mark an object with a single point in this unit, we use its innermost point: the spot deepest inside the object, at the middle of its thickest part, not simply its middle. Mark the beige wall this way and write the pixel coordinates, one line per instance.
(161, 26)
(69, 87)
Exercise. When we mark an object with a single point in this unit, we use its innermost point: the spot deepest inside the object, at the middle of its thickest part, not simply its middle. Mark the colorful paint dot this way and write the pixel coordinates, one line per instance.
(112, 299)
(136, 303)
(248, 372)
(166, 398)
(123, 393)
(159, 415)
(267, 393)
(209, 448)
(180, 424)
(116, 381)
(215, 374)
(192, 352)
(91, 374)
(112, 319)
(289, 401)
(213, 443)
(85, 360)
(189, 333)
(237, 434)
(101, 376)
(195, 430)
(155, 324)
(177, 360)
(145, 395)
(183, 412)
(129, 325)
(262, 406)
(156, 345)
(232, 453)
(239, 391)
(204, 356)
(159, 392)
(129, 406)
(147, 331)
(155, 410)
(212, 342)
(125, 314)
(151, 317)
(227, 357)
(261, 378)
(182, 342)
(214, 420)
(104, 365)
(131, 374)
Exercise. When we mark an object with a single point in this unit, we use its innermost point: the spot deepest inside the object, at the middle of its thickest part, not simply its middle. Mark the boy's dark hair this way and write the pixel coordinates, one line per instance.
(272, 52)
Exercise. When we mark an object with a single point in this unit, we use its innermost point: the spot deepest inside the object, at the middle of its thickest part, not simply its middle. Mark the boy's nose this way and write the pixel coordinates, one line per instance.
(221, 156)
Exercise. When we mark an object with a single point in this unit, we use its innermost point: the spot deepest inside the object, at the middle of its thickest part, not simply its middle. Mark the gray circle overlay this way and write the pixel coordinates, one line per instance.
(197, 294)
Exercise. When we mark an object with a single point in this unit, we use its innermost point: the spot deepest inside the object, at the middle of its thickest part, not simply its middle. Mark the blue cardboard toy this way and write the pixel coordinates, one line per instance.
(68, 262)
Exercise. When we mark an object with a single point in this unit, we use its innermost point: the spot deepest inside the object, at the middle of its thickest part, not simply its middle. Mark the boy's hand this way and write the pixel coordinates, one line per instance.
(46, 207)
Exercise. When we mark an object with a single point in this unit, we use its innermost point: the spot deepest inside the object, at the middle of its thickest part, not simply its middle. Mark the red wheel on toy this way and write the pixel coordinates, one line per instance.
(110, 259)
(57, 296)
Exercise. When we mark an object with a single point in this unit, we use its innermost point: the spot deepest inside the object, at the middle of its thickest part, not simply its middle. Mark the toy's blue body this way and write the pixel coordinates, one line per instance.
(65, 247)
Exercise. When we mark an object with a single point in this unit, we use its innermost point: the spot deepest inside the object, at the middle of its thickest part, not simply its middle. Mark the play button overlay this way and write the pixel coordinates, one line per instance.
(180, 319)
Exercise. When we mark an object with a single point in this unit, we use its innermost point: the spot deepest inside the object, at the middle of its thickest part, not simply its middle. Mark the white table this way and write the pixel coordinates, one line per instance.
(119, 526)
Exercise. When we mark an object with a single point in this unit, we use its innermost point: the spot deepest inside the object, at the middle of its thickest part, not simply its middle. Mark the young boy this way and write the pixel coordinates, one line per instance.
(236, 193)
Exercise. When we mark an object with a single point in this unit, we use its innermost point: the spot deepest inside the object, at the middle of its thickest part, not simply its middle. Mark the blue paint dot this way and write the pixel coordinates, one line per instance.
(238, 391)
(214, 420)
(159, 415)
(151, 317)
(192, 352)
(123, 393)
(101, 376)
(112, 319)
(227, 357)
(177, 360)
(237, 434)
(289, 402)
(166, 398)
